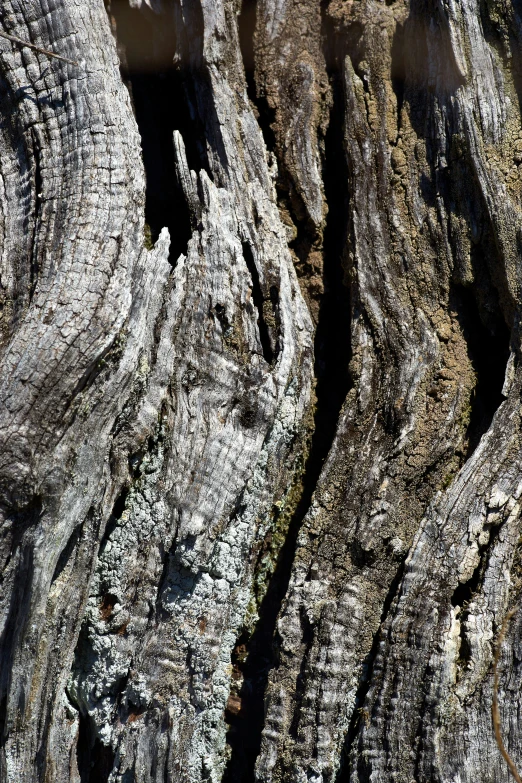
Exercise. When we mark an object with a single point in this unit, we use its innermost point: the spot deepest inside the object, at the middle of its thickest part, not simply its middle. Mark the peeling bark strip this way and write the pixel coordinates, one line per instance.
(260, 379)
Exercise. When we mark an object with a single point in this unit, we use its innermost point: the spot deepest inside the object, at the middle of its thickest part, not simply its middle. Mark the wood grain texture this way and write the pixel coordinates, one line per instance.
(158, 461)
(401, 686)
(173, 387)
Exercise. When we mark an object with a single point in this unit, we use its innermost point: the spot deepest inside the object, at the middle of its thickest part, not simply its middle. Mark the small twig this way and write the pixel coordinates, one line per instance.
(20, 42)
(495, 712)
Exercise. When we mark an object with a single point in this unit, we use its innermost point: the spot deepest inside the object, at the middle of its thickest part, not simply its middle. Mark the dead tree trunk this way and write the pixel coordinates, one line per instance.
(260, 447)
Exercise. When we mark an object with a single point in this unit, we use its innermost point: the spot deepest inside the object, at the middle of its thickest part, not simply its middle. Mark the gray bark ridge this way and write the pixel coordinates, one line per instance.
(149, 414)
(156, 412)
(402, 691)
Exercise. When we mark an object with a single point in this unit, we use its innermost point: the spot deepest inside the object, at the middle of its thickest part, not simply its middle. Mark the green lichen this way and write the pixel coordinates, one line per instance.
(448, 478)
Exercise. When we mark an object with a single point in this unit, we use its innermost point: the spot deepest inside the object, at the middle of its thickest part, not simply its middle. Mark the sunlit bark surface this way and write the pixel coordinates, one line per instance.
(260, 390)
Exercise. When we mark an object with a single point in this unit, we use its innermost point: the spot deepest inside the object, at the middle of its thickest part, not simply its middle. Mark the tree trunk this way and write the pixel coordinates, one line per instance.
(260, 422)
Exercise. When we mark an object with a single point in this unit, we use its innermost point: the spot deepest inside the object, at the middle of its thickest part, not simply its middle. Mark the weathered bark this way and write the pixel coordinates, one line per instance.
(222, 560)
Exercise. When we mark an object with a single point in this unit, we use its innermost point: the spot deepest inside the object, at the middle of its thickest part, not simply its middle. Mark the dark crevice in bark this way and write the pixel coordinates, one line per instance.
(264, 114)
(257, 654)
(259, 303)
(167, 558)
(147, 47)
(246, 27)
(245, 733)
(95, 760)
(488, 350)
(332, 347)
(115, 516)
(3, 713)
(465, 592)
(358, 715)
(307, 639)
(66, 553)
(16, 613)
(21, 520)
(515, 37)
(504, 36)
(289, 200)
(101, 364)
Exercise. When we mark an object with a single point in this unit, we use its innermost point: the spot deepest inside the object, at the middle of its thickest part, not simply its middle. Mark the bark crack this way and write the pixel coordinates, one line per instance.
(147, 46)
(488, 350)
(269, 343)
(95, 760)
(256, 654)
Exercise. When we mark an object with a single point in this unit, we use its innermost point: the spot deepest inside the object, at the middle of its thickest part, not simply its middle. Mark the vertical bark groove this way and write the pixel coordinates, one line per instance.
(146, 46)
(260, 431)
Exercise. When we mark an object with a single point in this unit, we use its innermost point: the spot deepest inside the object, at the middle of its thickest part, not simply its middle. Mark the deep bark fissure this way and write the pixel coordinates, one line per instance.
(147, 47)
(289, 200)
(246, 28)
(20, 599)
(300, 685)
(66, 553)
(488, 350)
(260, 657)
(116, 513)
(332, 355)
(95, 760)
(37, 209)
(269, 350)
(14, 623)
(332, 347)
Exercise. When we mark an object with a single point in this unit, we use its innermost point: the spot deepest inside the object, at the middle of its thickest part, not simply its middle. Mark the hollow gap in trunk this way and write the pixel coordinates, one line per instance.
(147, 48)
(95, 760)
(488, 350)
(254, 656)
(332, 347)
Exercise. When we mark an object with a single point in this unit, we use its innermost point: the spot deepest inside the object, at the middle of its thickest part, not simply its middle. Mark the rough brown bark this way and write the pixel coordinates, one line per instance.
(260, 466)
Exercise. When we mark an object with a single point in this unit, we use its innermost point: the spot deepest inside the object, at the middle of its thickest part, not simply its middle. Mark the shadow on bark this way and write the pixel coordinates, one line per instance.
(255, 656)
(147, 48)
(488, 350)
(95, 760)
